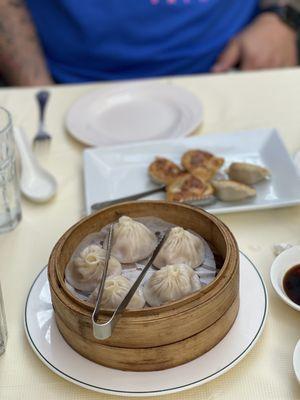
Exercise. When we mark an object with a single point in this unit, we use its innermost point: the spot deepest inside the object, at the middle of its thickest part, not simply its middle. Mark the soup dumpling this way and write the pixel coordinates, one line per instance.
(115, 290)
(232, 191)
(85, 270)
(170, 283)
(247, 173)
(132, 241)
(181, 247)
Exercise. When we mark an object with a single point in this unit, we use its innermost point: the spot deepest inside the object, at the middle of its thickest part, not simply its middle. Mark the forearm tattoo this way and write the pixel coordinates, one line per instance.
(21, 57)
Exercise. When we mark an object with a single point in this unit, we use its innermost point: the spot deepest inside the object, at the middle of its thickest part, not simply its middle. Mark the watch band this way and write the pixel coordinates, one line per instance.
(289, 16)
(287, 13)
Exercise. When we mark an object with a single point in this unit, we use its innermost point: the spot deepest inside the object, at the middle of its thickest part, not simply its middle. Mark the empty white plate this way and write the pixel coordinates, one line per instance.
(121, 171)
(125, 113)
(58, 356)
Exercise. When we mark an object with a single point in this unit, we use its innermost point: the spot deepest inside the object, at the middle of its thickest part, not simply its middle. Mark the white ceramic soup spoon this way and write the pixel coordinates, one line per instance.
(36, 183)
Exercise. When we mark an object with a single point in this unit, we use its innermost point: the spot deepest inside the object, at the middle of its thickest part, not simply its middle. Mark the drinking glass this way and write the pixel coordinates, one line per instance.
(10, 208)
(3, 327)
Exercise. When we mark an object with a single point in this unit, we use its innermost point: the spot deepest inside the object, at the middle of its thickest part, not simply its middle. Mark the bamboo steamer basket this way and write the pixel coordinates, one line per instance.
(158, 337)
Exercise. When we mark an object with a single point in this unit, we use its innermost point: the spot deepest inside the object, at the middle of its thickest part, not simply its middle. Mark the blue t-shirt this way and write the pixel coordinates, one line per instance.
(89, 40)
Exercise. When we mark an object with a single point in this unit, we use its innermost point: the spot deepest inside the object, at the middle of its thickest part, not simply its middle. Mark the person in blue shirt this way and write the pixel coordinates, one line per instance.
(67, 41)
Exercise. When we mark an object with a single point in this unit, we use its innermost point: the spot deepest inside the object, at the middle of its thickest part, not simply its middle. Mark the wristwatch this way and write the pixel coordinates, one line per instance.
(290, 16)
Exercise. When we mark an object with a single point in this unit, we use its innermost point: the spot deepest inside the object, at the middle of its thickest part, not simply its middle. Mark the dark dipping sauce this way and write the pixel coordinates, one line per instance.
(291, 284)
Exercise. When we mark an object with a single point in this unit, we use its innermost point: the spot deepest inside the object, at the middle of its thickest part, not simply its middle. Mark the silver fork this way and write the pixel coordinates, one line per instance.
(42, 137)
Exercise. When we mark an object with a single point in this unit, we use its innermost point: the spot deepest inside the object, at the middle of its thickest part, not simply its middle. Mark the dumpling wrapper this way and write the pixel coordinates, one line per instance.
(132, 241)
(85, 270)
(181, 247)
(247, 173)
(170, 283)
(115, 289)
(232, 191)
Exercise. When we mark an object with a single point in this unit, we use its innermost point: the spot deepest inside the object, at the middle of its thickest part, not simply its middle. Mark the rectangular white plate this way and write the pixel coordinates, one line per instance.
(119, 171)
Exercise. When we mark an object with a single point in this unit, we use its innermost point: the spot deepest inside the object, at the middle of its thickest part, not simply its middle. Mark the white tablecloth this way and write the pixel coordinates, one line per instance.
(232, 102)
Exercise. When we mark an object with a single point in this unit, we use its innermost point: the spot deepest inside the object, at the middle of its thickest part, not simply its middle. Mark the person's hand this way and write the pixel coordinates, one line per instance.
(266, 43)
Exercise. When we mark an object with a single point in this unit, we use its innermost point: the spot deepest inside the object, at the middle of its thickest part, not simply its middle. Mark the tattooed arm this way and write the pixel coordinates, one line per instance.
(22, 62)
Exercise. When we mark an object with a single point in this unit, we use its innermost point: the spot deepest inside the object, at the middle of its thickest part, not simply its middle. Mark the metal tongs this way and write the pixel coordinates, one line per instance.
(104, 331)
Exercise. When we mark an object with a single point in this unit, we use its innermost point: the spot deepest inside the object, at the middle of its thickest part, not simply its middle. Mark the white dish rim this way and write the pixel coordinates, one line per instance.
(275, 276)
(153, 392)
(296, 354)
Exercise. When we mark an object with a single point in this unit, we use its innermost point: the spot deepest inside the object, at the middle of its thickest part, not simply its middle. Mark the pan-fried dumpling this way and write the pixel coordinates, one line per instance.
(85, 271)
(115, 289)
(232, 191)
(247, 173)
(164, 171)
(132, 241)
(188, 188)
(193, 159)
(203, 173)
(172, 282)
(181, 247)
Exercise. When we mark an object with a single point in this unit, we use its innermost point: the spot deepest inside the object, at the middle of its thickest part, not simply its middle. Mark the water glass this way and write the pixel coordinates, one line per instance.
(10, 208)
(3, 327)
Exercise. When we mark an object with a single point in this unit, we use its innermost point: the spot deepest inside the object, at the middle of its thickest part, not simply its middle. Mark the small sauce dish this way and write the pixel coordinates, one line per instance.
(283, 263)
(296, 360)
